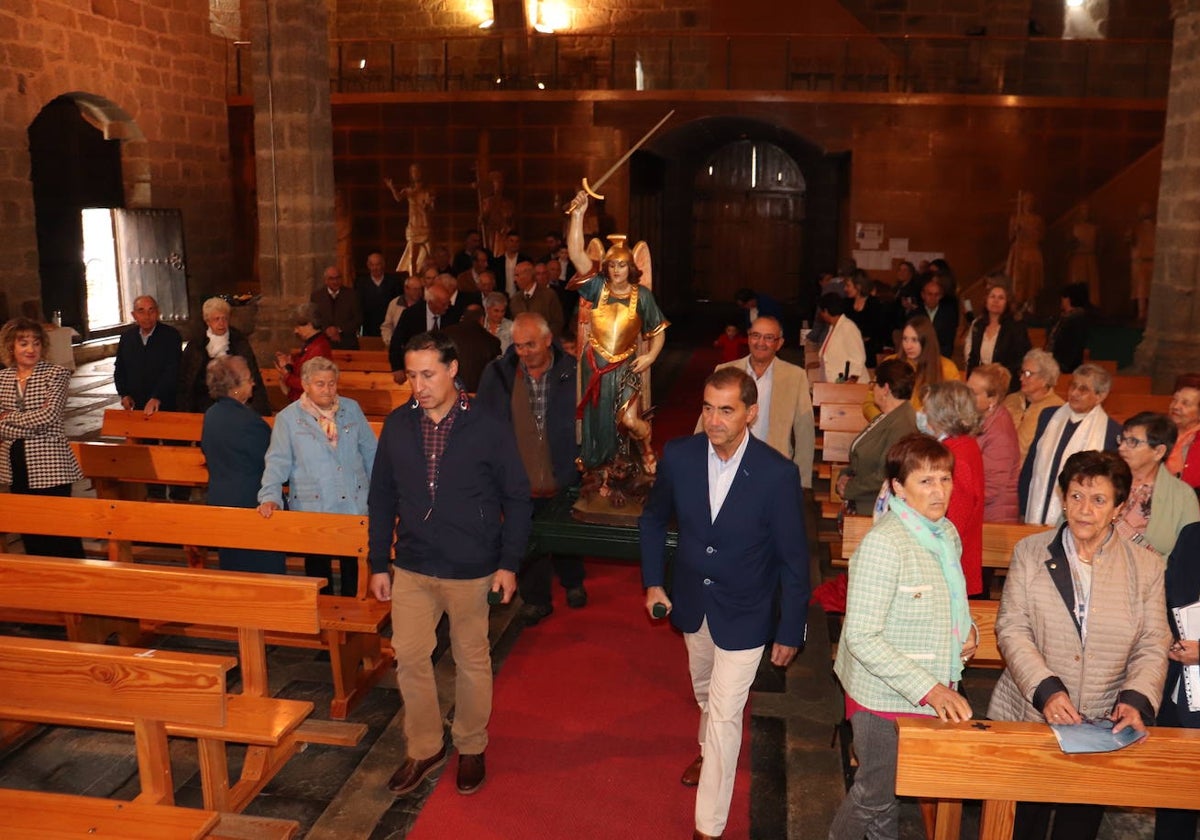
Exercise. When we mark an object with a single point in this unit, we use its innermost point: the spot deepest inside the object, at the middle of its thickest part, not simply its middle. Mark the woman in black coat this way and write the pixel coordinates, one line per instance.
(218, 339)
(1182, 582)
(235, 440)
(995, 336)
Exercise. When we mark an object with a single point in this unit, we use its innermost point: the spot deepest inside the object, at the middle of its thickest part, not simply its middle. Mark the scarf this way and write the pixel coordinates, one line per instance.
(218, 345)
(941, 540)
(1093, 427)
(326, 418)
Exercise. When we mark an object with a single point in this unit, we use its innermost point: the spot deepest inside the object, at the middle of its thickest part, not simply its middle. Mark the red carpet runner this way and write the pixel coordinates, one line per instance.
(593, 723)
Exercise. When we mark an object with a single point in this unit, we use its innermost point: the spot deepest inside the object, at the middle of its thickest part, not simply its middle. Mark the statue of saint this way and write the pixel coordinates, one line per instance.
(495, 214)
(1025, 233)
(1141, 259)
(416, 233)
(1082, 268)
(621, 333)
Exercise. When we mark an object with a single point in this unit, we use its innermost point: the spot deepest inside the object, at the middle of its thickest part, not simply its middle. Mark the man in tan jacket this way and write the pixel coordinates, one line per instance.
(785, 412)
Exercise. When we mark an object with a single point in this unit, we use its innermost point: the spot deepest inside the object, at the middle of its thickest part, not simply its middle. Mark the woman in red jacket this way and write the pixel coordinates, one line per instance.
(313, 342)
(1184, 460)
(997, 443)
(950, 415)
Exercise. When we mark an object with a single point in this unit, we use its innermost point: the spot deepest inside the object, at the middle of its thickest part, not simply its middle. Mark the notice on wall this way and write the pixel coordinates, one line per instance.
(868, 236)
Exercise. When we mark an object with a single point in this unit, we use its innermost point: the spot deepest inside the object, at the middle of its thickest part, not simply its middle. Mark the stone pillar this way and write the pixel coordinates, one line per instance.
(293, 140)
(1168, 347)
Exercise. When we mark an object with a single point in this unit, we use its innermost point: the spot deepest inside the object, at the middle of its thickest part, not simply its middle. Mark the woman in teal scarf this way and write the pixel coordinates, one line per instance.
(907, 633)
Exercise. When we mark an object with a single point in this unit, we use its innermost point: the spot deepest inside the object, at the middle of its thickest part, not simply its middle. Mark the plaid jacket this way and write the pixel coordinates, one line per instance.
(38, 420)
(896, 641)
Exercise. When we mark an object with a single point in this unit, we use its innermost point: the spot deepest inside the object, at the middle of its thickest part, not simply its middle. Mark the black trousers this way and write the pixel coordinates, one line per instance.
(40, 544)
(536, 578)
(322, 567)
(1071, 822)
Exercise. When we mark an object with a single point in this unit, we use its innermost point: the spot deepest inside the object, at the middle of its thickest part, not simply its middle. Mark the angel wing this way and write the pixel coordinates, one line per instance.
(595, 250)
(641, 258)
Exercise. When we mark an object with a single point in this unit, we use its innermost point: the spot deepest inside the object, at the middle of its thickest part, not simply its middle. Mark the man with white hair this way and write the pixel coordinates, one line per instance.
(429, 315)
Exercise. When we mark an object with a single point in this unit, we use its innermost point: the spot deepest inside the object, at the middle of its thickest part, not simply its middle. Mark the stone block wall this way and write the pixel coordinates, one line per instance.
(154, 62)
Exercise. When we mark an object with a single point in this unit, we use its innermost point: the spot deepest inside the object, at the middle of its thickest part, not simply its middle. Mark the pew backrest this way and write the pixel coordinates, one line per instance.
(999, 538)
(183, 426)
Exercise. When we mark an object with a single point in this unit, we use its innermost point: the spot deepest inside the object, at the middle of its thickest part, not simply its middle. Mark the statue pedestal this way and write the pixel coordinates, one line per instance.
(598, 510)
(558, 530)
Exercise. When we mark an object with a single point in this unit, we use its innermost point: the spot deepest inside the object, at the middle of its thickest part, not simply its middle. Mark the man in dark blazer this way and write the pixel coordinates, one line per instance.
(375, 291)
(432, 313)
(504, 265)
(741, 544)
(532, 297)
(943, 313)
(337, 307)
(475, 345)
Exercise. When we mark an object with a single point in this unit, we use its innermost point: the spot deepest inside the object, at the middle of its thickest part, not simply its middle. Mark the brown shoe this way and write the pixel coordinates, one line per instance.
(471, 773)
(700, 835)
(691, 776)
(412, 772)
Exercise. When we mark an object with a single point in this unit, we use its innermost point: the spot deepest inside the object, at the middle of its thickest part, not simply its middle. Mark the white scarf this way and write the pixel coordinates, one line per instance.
(1093, 427)
(218, 345)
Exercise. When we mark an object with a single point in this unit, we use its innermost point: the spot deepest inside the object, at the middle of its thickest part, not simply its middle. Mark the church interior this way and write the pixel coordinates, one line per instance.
(242, 146)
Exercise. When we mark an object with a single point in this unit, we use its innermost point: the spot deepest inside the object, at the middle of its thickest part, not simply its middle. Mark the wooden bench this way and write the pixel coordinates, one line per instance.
(999, 539)
(839, 392)
(377, 400)
(182, 426)
(1122, 384)
(366, 360)
(97, 600)
(1121, 407)
(347, 628)
(1004, 763)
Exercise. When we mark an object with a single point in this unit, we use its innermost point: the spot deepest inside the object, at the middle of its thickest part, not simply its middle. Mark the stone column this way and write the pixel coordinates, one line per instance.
(1168, 347)
(293, 140)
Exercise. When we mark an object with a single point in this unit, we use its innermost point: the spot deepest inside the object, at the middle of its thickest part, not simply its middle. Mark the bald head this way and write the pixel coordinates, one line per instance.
(437, 299)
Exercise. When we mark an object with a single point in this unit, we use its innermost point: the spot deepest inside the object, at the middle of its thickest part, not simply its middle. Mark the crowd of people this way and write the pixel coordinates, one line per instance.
(488, 347)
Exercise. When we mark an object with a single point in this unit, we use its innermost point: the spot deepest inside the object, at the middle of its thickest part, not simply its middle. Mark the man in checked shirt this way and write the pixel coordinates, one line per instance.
(449, 488)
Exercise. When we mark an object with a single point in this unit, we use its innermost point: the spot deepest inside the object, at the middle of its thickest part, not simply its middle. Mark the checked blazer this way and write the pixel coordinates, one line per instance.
(731, 570)
(38, 420)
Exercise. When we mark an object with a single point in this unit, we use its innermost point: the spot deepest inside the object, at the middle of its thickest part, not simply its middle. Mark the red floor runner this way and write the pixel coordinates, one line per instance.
(593, 722)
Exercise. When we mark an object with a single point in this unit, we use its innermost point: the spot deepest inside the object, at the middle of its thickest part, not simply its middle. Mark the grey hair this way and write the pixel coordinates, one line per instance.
(1100, 379)
(315, 365)
(214, 305)
(221, 377)
(1044, 364)
(950, 409)
(534, 319)
(495, 298)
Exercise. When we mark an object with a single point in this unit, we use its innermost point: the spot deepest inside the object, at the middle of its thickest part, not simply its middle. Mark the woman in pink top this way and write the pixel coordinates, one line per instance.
(997, 444)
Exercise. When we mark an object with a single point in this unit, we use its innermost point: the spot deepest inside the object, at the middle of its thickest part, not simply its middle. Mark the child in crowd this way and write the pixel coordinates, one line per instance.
(732, 343)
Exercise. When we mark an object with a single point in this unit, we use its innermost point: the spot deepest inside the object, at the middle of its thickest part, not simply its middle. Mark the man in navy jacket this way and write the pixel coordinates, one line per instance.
(741, 543)
(448, 486)
(146, 371)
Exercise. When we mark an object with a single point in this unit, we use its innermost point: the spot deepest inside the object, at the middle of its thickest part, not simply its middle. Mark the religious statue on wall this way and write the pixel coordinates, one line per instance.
(1082, 267)
(1026, 230)
(416, 233)
(496, 213)
(1141, 260)
(621, 333)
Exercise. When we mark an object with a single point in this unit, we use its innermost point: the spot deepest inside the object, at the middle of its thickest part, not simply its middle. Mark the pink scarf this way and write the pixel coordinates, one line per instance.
(324, 417)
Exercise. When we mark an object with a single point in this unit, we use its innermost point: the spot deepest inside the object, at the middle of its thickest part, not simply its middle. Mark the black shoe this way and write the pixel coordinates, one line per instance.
(577, 597)
(531, 614)
(471, 773)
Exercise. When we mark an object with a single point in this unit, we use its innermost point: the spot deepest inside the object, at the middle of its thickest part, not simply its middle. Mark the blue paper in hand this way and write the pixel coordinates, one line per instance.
(1094, 736)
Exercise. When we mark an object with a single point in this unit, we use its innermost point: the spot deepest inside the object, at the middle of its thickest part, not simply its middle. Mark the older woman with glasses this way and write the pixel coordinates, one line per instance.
(1082, 628)
(1037, 377)
(1184, 460)
(1159, 504)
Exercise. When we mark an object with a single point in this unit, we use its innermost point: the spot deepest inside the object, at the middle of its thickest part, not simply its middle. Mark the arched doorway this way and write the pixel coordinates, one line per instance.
(749, 212)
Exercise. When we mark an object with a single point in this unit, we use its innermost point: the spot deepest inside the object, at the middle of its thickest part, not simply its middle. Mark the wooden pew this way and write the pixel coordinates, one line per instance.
(1121, 407)
(365, 360)
(1004, 763)
(98, 599)
(839, 392)
(377, 399)
(135, 427)
(347, 628)
(1122, 384)
(999, 539)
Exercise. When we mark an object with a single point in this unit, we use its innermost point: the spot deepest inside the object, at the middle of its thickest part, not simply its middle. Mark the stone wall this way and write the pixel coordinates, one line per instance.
(155, 62)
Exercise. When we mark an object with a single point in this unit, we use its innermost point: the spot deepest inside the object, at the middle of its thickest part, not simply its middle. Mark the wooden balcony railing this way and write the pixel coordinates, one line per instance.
(765, 62)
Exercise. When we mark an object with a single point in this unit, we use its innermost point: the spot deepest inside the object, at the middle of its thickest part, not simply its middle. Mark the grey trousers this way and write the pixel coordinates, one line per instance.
(870, 808)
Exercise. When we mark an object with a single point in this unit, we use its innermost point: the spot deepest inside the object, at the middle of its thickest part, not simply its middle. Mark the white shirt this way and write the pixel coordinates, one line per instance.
(429, 316)
(721, 475)
(765, 384)
(510, 268)
(395, 309)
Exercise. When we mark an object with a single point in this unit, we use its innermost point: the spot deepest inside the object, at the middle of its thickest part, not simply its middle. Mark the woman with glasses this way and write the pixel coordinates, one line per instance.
(1082, 629)
(1159, 504)
(1037, 377)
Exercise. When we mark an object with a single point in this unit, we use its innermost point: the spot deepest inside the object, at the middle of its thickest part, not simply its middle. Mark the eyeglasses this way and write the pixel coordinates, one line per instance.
(1025, 374)
(1130, 441)
(757, 336)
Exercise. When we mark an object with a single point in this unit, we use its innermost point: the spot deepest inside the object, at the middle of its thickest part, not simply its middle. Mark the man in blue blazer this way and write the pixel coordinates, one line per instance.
(741, 544)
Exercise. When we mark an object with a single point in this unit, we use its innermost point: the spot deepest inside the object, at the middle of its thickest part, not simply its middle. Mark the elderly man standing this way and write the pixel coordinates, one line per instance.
(533, 386)
(375, 291)
(741, 542)
(784, 420)
(432, 313)
(531, 296)
(437, 457)
(338, 308)
(146, 371)
(1079, 425)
